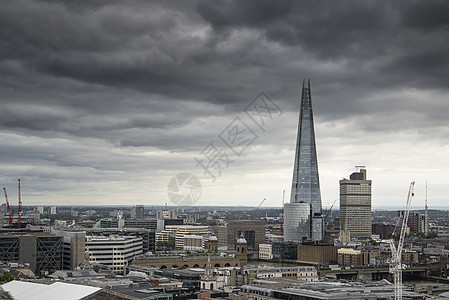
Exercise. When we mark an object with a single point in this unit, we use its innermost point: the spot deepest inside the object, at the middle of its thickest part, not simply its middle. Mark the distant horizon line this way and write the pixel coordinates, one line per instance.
(384, 207)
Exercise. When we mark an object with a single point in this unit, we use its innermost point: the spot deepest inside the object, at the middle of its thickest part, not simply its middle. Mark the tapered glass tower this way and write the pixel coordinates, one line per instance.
(306, 183)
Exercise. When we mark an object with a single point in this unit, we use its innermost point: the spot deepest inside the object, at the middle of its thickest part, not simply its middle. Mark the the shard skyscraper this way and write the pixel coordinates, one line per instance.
(303, 217)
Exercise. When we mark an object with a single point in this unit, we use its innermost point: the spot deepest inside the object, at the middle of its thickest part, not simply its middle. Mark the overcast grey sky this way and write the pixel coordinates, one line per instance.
(103, 102)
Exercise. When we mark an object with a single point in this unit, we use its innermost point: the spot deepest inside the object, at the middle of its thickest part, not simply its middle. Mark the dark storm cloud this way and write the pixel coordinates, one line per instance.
(357, 31)
(74, 52)
(325, 27)
(92, 89)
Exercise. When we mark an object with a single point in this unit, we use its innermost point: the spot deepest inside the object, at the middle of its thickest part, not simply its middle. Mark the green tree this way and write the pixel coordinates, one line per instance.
(421, 234)
(6, 277)
(373, 242)
(432, 235)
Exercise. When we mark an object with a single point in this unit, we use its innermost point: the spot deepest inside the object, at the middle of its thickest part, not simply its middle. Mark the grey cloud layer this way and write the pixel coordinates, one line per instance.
(168, 76)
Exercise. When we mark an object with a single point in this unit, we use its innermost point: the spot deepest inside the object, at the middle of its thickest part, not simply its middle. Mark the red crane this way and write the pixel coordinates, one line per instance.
(252, 216)
(19, 219)
(10, 212)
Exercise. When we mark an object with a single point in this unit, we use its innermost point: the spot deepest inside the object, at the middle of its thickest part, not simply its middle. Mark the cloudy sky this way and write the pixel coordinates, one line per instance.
(103, 102)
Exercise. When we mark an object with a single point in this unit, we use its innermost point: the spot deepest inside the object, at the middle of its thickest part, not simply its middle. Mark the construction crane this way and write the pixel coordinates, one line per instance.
(329, 211)
(254, 213)
(396, 251)
(19, 212)
(10, 212)
(282, 214)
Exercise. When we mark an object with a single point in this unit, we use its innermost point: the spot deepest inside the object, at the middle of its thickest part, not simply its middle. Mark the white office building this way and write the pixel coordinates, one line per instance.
(113, 251)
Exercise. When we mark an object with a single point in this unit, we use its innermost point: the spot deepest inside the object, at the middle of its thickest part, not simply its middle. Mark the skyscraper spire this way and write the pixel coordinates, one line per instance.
(305, 182)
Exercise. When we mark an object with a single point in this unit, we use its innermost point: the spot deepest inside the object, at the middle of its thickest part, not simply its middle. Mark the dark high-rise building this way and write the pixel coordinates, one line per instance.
(140, 211)
(305, 183)
(416, 221)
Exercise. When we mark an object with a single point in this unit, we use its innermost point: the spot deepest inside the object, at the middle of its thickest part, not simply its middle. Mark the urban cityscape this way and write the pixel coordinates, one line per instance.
(224, 150)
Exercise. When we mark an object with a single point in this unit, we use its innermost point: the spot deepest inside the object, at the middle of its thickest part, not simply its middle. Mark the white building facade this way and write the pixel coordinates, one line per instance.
(113, 251)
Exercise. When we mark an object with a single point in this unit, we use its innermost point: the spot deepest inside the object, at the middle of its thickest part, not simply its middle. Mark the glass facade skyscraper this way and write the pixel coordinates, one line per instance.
(297, 221)
(306, 183)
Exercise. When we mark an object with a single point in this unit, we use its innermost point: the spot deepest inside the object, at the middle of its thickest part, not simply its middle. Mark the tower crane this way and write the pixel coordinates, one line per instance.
(10, 212)
(396, 251)
(254, 213)
(329, 212)
(19, 212)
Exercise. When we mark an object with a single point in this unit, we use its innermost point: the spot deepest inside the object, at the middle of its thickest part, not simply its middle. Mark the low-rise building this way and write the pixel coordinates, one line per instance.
(175, 234)
(285, 250)
(306, 273)
(283, 288)
(266, 251)
(318, 254)
(360, 257)
(193, 243)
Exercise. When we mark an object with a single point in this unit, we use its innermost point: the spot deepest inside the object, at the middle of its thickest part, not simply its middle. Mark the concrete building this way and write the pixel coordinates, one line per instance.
(175, 234)
(113, 251)
(221, 232)
(43, 251)
(273, 238)
(175, 262)
(183, 230)
(306, 273)
(74, 248)
(148, 236)
(140, 212)
(153, 224)
(358, 257)
(40, 209)
(252, 230)
(133, 212)
(193, 243)
(53, 210)
(167, 214)
(416, 221)
(355, 205)
(384, 230)
(265, 251)
(318, 254)
(283, 288)
(305, 181)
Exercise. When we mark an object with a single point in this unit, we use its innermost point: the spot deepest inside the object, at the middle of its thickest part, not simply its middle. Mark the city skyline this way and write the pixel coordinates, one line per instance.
(104, 103)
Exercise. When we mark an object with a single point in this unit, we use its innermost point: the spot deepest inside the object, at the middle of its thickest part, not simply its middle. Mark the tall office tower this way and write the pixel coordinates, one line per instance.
(305, 183)
(355, 205)
(140, 211)
(133, 212)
